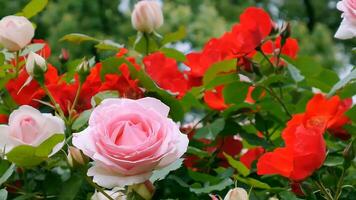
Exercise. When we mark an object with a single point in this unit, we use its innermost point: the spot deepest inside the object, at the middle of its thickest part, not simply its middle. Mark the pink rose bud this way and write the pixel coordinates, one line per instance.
(347, 29)
(75, 157)
(147, 16)
(236, 194)
(35, 64)
(28, 126)
(15, 32)
(129, 139)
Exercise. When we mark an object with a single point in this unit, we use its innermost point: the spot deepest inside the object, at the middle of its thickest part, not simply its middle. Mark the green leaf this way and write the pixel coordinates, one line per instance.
(235, 92)
(3, 194)
(175, 36)
(47, 146)
(78, 38)
(210, 130)
(294, 72)
(239, 166)
(197, 152)
(332, 161)
(352, 113)
(210, 188)
(71, 187)
(82, 120)
(343, 82)
(252, 182)
(287, 195)
(2, 59)
(108, 45)
(33, 8)
(7, 174)
(173, 53)
(99, 97)
(28, 156)
(222, 79)
(204, 178)
(33, 48)
(219, 68)
(162, 173)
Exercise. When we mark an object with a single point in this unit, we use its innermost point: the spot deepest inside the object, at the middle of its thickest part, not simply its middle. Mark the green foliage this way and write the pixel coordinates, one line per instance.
(29, 156)
(33, 8)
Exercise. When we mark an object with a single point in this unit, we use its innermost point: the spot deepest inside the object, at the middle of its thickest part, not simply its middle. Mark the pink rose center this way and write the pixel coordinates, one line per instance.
(29, 130)
(127, 133)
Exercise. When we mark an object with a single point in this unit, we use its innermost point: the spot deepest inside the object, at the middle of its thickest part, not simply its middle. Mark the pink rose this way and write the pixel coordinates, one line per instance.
(347, 27)
(28, 126)
(128, 139)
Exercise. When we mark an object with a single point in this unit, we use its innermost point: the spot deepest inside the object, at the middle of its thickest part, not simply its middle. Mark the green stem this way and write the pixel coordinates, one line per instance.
(266, 57)
(279, 100)
(101, 190)
(56, 105)
(323, 190)
(17, 59)
(147, 43)
(339, 185)
(76, 98)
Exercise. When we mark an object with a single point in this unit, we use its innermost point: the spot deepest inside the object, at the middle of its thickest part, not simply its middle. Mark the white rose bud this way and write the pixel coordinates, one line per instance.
(236, 194)
(15, 32)
(114, 193)
(147, 16)
(35, 63)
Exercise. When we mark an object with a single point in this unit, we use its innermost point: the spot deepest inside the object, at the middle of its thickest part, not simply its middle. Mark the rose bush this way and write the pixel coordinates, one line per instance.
(246, 117)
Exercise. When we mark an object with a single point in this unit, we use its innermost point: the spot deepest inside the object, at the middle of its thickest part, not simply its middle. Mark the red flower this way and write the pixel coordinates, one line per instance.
(215, 99)
(251, 155)
(328, 114)
(297, 188)
(64, 93)
(164, 71)
(230, 145)
(304, 152)
(4, 118)
(32, 91)
(290, 48)
(241, 42)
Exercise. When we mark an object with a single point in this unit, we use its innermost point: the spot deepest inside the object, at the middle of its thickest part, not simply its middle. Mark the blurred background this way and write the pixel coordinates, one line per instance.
(314, 23)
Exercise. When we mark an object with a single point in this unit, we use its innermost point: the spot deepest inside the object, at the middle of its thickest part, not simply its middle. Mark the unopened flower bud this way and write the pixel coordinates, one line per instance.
(83, 70)
(236, 194)
(64, 57)
(36, 67)
(75, 157)
(145, 190)
(147, 16)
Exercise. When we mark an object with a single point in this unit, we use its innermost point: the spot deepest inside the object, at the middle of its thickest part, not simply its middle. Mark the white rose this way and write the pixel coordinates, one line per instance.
(35, 60)
(236, 194)
(147, 16)
(347, 29)
(28, 126)
(114, 193)
(15, 32)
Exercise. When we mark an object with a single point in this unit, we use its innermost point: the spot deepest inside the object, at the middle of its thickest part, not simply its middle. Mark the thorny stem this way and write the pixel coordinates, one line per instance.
(339, 185)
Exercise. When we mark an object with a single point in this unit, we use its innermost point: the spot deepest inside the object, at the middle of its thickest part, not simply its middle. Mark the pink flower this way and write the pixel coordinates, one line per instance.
(347, 27)
(15, 32)
(28, 126)
(128, 139)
